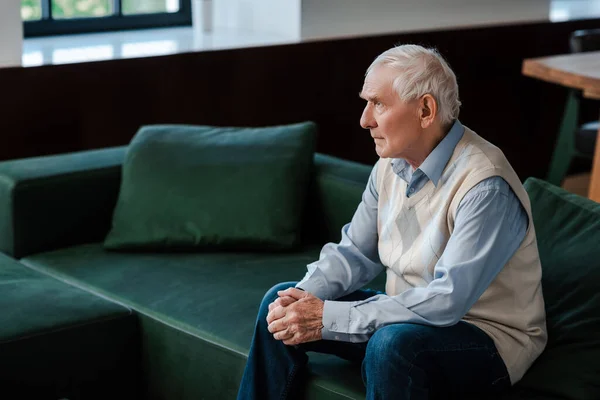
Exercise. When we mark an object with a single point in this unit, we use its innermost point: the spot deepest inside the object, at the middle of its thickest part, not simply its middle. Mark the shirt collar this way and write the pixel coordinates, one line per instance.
(436, 161)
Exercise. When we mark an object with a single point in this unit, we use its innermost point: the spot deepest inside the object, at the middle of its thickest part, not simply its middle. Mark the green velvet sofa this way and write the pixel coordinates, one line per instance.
(58, 341)
(179, 325)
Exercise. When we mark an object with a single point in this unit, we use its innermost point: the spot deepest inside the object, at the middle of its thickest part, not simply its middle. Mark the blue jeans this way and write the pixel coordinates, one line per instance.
(400, 361)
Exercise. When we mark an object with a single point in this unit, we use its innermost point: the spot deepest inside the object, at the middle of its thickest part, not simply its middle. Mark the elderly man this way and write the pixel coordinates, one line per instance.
(446, 216)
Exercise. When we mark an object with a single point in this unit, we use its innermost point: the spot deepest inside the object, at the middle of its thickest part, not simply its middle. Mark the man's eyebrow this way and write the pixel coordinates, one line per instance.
(367, 97)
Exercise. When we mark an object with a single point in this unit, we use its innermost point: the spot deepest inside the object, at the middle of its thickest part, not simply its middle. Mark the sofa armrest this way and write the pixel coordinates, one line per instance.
(57, 201)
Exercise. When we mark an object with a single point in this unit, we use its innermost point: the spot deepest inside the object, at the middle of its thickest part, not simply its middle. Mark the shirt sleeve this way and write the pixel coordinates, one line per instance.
(489, 227)
(347, 266)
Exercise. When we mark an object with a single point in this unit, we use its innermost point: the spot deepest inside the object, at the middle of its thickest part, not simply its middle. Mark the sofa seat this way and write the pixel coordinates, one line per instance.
(197, 313)
(58, 341)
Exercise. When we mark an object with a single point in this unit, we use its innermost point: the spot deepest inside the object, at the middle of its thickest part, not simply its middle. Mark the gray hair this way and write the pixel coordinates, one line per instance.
(422, 71)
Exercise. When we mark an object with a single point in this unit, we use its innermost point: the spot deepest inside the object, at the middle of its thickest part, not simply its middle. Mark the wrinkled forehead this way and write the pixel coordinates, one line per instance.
(379, 81)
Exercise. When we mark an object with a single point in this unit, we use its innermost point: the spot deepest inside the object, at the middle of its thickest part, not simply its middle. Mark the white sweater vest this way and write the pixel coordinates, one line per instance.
(511, 311)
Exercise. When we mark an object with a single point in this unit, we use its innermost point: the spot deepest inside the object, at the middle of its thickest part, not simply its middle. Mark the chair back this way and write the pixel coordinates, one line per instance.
(585, 40)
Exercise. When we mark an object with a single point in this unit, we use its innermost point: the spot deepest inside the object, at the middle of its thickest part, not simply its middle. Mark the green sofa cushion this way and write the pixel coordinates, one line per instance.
(568, 234)
(203, 187)
(198, 313)
(58, 341)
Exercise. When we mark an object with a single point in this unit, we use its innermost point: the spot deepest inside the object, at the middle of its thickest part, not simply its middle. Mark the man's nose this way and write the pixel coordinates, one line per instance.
(366, 120)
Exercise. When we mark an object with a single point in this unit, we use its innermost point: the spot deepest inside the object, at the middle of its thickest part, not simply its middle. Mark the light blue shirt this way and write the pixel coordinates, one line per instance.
(489, 227)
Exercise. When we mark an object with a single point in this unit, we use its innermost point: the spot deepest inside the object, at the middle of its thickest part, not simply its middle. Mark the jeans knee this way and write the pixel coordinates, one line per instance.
(397, 344)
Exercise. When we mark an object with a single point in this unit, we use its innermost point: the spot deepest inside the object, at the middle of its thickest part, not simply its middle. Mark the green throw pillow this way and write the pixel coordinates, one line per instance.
(201, 187)
(568, 234)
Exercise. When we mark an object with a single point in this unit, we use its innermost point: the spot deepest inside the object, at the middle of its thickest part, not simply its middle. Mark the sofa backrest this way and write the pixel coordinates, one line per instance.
(336, 190)
(68, 199)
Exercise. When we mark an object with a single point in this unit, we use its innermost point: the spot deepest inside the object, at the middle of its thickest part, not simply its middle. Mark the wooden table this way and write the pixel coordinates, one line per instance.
(577, 71)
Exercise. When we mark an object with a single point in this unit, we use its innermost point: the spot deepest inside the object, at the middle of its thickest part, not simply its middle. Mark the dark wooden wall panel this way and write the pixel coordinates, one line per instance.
(63, 108)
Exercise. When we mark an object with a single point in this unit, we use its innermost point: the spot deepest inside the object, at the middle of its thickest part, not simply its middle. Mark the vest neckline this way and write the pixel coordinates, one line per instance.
(420, 195)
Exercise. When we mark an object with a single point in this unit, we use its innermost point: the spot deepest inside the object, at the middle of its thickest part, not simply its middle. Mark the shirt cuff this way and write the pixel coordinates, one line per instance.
(336, 320)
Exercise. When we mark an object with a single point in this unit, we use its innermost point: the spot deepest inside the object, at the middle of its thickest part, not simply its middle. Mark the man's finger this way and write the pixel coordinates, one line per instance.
(282, 301)
(274, 304)
(292, 292)
(275, 314)
(292, 340)
(285, 301)
(283, 335)
(277, 326)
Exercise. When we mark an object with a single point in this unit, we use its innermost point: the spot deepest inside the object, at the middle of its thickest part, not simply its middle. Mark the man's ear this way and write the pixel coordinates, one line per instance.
(427, 110)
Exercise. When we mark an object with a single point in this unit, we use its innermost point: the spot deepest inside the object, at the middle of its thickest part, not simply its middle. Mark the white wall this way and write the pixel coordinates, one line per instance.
(314, 19)
(11, 33)
(330, 18)
(279, 17)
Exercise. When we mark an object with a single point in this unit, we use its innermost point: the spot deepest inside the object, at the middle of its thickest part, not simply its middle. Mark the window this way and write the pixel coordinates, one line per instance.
(55, 17)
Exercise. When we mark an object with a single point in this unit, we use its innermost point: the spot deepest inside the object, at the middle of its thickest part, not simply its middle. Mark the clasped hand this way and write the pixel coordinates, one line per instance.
(296, 317)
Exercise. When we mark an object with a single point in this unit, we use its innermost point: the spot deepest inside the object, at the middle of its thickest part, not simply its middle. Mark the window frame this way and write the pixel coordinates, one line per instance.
(48, 26)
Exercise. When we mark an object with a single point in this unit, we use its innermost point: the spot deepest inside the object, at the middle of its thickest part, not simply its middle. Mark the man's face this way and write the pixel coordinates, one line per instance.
(394, 125)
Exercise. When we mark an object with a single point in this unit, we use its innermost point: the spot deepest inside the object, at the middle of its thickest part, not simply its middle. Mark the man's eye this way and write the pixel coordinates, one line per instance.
(378, 104)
